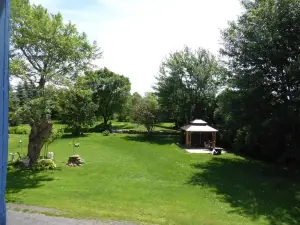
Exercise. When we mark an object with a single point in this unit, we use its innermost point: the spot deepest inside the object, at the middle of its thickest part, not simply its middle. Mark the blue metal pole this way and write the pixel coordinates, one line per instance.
(4, 84)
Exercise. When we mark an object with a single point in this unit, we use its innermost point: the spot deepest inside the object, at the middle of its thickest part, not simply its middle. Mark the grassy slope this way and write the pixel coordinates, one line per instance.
(128, 177)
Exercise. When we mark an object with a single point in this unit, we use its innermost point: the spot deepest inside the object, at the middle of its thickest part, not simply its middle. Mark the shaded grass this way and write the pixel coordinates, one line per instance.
(134, 178)
(18, 180)
(250, 190)
(154, 139)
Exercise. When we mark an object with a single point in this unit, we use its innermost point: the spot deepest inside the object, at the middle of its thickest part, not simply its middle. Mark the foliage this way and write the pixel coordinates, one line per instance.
(55, 134)
(45, 49)
(126, 114)
(187, 84)
(13, 106)
(25, 92)
(262, 55)
(78, 109)
(44, 164)
(45, 52)
(106, 133)
(19, 130)
(146, 112)
(110, 92)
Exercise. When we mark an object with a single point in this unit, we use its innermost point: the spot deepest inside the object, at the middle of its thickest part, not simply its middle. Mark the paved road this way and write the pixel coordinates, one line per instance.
(23, 218)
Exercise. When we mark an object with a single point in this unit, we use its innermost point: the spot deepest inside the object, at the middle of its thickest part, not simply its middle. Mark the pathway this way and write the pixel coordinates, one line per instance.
(16, 215)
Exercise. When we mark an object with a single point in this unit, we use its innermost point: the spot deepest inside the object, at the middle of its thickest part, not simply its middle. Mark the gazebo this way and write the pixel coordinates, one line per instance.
(197, 134)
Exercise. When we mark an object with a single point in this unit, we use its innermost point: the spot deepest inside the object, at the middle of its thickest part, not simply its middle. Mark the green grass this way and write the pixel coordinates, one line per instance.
(151, 180)
(132, 126)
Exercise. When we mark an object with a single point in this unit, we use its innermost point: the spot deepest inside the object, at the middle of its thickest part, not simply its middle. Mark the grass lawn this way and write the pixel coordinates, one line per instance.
(130, 177)
(132, 126)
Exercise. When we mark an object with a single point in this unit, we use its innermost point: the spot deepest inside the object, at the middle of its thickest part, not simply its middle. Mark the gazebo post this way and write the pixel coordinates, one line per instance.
(214, 138)
(200, 138)
(187, 138)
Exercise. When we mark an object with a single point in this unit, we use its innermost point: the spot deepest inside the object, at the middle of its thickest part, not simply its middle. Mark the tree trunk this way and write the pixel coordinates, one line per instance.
(40, 132)
(76, 131)
(105, 120)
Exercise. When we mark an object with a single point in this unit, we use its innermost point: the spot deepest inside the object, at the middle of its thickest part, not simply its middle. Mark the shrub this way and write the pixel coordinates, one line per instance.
(106, 133)
(44, 164)
(19, 130)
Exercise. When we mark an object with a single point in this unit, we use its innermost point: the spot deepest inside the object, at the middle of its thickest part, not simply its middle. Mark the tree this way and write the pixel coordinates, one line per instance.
(45, 51)
(13, 106)
(78, 109)
(136, 98)
(110, 92)
(21, 94)
(25, 92)
(146, 112)
(262, 54)
(131, 102)
(186, 85)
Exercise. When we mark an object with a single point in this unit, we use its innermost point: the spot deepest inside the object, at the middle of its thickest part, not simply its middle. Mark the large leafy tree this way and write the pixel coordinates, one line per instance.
(263, 55)
(186, 85)
(77, 108)
(110, 92)
(45, 51)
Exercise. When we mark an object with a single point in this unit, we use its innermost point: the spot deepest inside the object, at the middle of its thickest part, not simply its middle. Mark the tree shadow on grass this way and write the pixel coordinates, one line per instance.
(153, 139)
(18, 179)
(251, 190)
(71, 136)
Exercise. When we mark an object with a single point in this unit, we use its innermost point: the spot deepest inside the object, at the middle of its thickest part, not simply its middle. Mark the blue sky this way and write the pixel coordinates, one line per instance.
(136, 35)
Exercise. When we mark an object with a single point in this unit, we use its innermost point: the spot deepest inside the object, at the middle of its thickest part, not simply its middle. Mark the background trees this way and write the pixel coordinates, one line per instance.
(77, 108)
(186, 85)
(127, 111)
(262, 48)
(145, 111)
(110, 92)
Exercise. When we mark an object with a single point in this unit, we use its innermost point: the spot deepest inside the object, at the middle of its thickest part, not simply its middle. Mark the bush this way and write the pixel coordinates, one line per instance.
(19, 130)
(106, 133)
(44, 164)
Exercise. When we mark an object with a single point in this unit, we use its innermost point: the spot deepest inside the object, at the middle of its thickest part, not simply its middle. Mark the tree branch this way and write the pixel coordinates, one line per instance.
(35, 66)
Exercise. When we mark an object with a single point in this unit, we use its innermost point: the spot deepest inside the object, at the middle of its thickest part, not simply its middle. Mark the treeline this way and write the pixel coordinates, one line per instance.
(250, 92)
(95, 96)
(252, 95)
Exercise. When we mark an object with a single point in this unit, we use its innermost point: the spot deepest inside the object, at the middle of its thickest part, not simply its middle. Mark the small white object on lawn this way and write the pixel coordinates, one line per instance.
(51, 155)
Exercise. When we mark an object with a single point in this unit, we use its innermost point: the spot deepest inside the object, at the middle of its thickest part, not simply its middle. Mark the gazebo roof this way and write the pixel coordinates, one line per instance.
(197, 121)
(197, 128)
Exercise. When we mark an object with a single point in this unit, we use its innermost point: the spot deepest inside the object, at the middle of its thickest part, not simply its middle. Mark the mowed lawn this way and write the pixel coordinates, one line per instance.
(151, 180)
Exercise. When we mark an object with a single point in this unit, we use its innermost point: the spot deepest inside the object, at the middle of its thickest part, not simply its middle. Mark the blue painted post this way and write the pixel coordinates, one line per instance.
(4, 81)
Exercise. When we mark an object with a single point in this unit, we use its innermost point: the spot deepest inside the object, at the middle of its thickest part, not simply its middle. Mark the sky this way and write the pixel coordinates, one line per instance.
(136, 35)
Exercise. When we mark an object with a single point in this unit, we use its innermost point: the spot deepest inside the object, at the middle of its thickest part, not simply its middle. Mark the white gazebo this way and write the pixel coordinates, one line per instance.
(197, 133)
